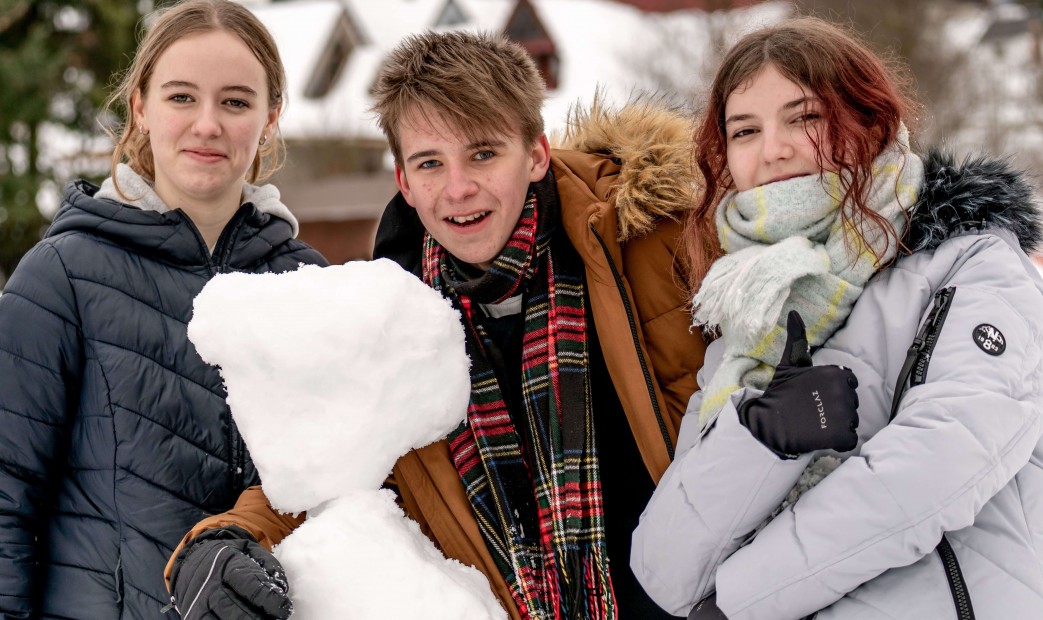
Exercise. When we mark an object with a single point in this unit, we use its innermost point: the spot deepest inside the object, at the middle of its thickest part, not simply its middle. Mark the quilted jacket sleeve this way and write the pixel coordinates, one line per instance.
(956, 441)
(40, 363)
(722, 484)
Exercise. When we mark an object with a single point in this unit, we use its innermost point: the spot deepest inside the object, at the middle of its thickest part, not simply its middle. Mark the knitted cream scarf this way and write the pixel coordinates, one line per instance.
(787, 248)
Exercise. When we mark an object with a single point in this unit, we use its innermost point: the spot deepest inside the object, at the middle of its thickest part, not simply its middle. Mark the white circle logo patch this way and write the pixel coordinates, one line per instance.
(989, 339)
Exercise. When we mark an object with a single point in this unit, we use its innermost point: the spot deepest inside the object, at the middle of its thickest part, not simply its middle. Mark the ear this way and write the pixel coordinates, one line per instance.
(273, 121)
(137, 109)
(403, 184)
(540, 157)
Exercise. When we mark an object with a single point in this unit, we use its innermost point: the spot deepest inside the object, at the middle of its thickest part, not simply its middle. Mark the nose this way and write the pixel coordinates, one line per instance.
(459, 184)
(777, 144)
(207, 123)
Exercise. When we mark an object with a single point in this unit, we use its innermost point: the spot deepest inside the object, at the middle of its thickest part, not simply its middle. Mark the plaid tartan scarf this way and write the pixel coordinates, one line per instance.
(536, 493)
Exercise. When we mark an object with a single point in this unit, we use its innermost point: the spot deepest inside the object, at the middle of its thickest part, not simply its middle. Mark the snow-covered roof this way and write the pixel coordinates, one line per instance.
(596, 42)
(601, 45)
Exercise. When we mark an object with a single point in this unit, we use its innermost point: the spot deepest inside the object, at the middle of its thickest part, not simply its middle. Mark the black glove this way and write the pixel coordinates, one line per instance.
(805, 408)
(224, 574)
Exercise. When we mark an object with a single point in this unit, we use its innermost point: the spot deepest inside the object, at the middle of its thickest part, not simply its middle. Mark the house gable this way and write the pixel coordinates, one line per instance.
(525, 28)
(451, 15)
(343, 40)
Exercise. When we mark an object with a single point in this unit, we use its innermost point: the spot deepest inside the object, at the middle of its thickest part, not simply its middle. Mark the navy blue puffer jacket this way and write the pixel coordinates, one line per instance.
(114, 435)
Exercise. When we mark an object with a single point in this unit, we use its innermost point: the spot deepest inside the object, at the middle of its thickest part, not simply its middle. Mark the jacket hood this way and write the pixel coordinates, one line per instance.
(167, 234)
(265, 198)
(980, 191)
(652, 142)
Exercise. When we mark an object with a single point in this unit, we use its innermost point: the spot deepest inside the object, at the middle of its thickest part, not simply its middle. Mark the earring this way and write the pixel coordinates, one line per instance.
(142, 130)
(264, 140)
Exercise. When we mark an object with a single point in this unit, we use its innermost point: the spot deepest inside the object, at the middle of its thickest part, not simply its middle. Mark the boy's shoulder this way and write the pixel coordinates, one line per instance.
(638, 158)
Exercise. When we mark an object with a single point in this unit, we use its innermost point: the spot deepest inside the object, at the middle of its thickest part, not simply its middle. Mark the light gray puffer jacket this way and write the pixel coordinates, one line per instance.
(963, 456)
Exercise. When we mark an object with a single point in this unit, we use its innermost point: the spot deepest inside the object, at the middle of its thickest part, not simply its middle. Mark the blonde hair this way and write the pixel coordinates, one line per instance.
(187, 18)
(475, 82)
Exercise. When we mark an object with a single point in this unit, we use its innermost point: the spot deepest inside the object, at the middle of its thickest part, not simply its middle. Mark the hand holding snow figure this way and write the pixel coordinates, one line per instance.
(332, 374)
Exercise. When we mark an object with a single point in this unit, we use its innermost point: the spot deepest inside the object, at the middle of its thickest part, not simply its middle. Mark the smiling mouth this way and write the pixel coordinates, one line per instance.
(207, 154)
(467, 220)
(786, 178)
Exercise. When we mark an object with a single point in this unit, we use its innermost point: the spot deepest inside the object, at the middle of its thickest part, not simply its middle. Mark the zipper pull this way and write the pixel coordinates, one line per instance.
(932, 329)
(903, 375)
(171, 605)
(919, 354)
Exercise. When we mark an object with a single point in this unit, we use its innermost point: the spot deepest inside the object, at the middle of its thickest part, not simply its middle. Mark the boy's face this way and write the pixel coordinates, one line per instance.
(469, 195)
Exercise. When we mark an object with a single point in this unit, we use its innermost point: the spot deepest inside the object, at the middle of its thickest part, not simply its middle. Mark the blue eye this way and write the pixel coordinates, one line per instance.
(430, 163)
(238, 103)
(483, 155)
(180, 98)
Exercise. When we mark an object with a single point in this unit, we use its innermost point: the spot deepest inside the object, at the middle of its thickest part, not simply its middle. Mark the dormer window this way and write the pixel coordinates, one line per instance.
(525, 28)
(338, 50)
(452, 15)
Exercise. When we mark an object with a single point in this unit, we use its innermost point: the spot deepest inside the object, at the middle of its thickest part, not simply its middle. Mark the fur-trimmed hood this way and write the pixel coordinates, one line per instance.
(977, 192)
(652, 141)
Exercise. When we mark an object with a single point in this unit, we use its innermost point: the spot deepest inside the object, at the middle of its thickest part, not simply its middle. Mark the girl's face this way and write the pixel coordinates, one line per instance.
(205, 110)
(772, 125)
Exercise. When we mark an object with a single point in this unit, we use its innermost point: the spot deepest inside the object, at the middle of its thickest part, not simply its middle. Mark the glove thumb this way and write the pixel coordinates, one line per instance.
(795, 352)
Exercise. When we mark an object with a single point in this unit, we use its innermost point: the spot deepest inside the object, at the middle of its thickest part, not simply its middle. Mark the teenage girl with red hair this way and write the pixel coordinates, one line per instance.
(866, 443)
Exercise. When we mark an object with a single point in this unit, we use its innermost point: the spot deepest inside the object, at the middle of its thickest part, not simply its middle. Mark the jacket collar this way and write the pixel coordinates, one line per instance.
(265, 198)
(973, 194)
(168, 235)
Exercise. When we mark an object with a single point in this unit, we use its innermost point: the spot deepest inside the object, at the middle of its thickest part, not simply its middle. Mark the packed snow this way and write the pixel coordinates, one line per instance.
(332, 374)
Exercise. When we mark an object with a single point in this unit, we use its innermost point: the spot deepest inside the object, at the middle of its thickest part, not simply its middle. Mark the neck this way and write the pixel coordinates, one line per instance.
(209, 216)
(210, 221)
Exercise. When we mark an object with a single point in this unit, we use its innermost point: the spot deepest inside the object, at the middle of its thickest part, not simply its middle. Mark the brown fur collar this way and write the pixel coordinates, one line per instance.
(653, 143)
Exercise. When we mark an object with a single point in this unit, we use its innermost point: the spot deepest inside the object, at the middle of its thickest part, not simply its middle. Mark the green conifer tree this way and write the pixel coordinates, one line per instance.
(57, 59)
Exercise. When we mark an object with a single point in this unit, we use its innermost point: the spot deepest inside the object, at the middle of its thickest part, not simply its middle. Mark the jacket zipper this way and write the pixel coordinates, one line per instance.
(917, 359)
(914, 372)
(637, 345)
(223, 253)
(933, 327)
(957, 585)
(218, 263)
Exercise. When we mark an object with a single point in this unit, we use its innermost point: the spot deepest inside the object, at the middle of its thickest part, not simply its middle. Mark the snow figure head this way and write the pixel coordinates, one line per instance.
(333, 373)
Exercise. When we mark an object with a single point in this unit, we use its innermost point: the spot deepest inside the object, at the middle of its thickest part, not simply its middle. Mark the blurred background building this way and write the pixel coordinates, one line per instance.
(976, 65)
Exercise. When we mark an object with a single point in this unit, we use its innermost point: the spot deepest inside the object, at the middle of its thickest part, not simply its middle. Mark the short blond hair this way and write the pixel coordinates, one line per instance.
(474, 82)
(171, 24)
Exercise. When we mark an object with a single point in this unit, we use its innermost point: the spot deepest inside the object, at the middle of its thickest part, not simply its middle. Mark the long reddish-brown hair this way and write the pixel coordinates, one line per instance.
(863, 101)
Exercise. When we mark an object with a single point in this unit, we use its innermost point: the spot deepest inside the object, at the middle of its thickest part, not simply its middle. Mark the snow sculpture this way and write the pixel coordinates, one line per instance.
(332, 374)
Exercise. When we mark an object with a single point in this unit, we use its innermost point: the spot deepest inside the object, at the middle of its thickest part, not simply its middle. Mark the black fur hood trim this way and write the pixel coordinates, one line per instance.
(978, 192)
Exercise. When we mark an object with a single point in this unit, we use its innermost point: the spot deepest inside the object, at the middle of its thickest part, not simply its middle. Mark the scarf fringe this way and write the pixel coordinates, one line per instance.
(751, 296)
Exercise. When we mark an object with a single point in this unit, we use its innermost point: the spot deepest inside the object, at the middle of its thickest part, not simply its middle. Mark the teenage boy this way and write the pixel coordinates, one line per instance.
(564, 267)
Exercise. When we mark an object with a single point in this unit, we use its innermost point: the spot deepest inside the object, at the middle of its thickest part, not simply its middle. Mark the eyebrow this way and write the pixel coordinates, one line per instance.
(470, 147)
(235, 88)
(484, 144)
(422, 155)
(796, 103)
